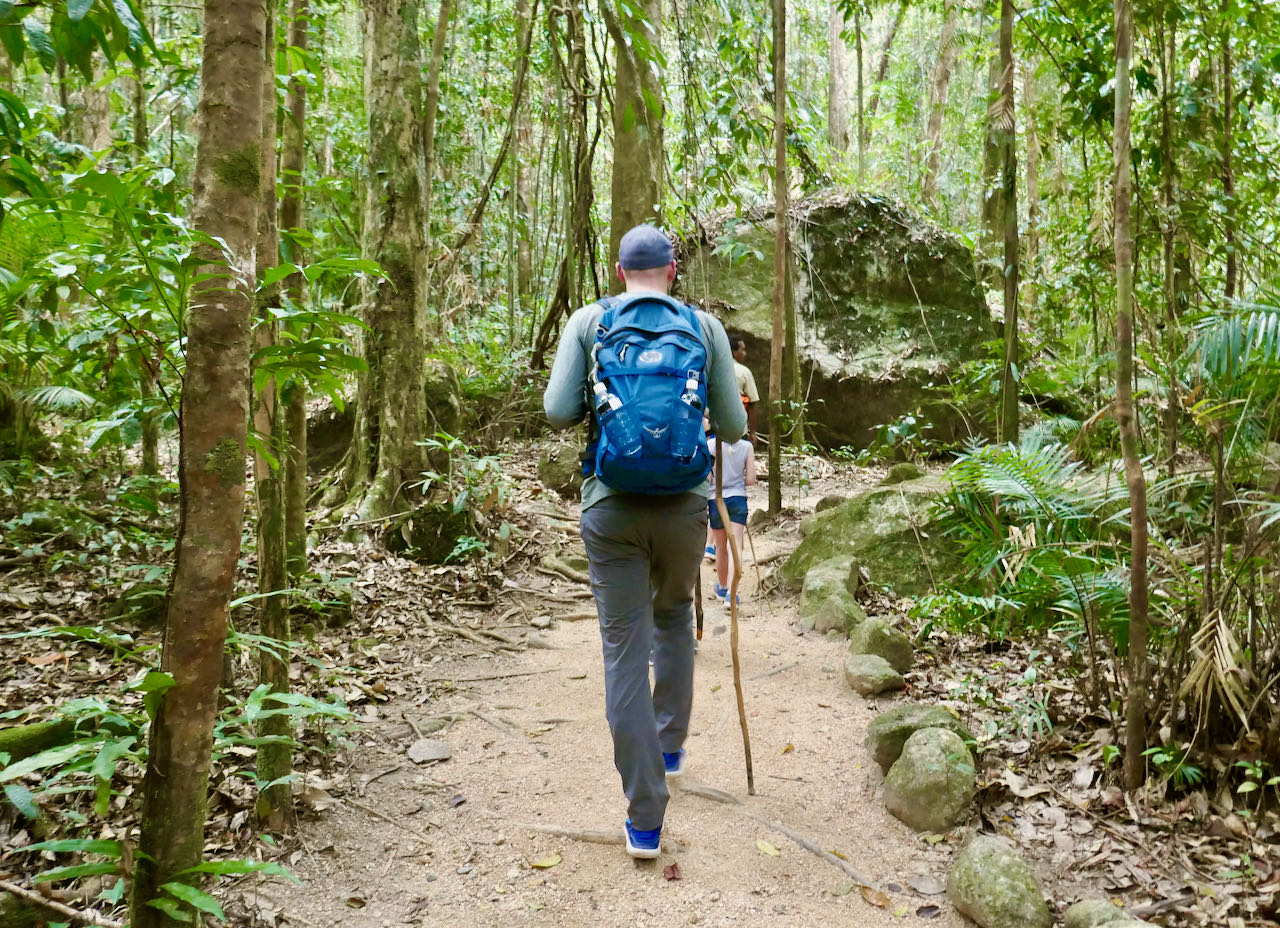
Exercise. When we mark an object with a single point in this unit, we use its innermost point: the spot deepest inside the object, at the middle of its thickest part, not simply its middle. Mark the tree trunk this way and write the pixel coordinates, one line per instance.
(638, 159)
(1007, 425)
(293, 395)
(862, 122)
(149, 372)
(882, 68)
(779, 251)
(1135, 706)
(992, 207)
(1169, 236)
(837, 79)
(390, 403)
(1228, 172)
(211, 472)
(523, 200)
(947, 50)
(1031, 291)
(430, 109)
(275, 759)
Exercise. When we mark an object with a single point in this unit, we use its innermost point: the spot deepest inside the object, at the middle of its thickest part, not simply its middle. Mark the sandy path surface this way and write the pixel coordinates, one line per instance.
(451, 843)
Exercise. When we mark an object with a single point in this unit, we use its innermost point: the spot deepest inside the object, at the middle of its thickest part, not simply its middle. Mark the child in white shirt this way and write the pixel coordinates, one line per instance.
(739, 472)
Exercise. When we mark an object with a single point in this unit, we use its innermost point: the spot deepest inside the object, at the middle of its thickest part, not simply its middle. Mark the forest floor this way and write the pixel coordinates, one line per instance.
(497, 663)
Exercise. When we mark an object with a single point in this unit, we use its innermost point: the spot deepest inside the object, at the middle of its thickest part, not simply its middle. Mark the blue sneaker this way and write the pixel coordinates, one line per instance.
(674, 763)
(720, 591)
(711, 552)
(643, 844)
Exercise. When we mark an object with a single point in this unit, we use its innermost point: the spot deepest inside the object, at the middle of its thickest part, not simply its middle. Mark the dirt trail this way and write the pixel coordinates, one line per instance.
(451, 844)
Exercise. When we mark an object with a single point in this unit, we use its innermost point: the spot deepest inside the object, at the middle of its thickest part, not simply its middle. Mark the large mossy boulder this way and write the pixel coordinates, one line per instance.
(560, 469)
(992, 885)
(887, 307)
(827, 600)
(889, 731)
(878, 637)
(931, 785)
(870, 675)
(889, 530)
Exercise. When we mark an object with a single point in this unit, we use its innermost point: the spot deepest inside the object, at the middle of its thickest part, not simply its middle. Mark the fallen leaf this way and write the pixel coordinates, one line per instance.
(356, 902)
(929, 911)
(789, 748)
(715, 687)
(934, 838)
(672, 872)
(875, 896)
(764, 847)
(49, 658)
(457, 800)
(843, 890)
(839, 854)
(901, 911)
(546, 862)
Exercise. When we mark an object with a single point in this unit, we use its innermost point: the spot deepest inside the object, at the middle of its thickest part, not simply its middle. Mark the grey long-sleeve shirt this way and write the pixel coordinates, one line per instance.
(565, 401)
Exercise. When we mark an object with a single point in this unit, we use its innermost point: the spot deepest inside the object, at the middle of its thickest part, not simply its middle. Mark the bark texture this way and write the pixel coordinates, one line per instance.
(1136, 700)
(837, 79)
(390, 401)
(780, 250)
(1007, 424)
(215, 410)
(638, 158)
(942, 68)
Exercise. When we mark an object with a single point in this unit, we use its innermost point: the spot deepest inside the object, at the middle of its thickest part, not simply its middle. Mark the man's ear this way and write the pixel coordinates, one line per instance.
(671, 271)
(621, 274)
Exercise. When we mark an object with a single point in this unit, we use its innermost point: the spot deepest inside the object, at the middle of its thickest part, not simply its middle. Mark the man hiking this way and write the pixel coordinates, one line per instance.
(647, 365)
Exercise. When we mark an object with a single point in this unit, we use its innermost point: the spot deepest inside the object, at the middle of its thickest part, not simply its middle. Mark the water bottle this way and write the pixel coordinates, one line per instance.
(618, 424)
(687, 429)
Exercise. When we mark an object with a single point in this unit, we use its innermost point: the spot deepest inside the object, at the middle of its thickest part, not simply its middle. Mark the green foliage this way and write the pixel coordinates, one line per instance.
(73, 31)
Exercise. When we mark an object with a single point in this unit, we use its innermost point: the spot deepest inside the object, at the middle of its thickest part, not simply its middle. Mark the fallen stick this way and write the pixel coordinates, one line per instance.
(389, 820)
(810, 845)
(364, 785)
(710, 792)
(589, 835)
(84, 918)
(770, 673)
(491, 676)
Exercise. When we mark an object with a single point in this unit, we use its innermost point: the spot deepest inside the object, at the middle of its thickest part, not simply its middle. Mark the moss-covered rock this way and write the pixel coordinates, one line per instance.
(1093, 913)
(878, 637)
(18, 913)
(901, 473)
(889, 530)
(931, 785)
(887, 306)
(19, 741)
(889, 731)
(560, 469)
(992, 885)
(870, 675)
(830, 501)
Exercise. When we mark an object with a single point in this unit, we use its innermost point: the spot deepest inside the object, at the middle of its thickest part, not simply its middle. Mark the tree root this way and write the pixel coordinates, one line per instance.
(812, 846)
(84, 918)
(589, 835)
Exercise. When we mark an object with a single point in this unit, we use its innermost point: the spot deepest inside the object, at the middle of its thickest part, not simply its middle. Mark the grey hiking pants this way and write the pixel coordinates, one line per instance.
(645, 552)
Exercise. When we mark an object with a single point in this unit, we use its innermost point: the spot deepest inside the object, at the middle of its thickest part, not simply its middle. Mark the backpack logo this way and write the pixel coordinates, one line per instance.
(648, 385)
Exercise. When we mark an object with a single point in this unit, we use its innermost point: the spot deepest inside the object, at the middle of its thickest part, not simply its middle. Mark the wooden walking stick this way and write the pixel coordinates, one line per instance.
(697, 598)
(733, 610)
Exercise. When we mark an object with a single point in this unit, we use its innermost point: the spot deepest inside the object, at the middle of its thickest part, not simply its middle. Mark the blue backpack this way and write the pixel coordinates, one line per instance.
(647, 388)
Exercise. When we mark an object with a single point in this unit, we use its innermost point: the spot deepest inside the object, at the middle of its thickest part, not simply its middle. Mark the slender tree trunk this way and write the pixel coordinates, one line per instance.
(882, 68)
(390, 401)
(294, 394)
(1228, 171)
(638, 159)
(431, 108)
(862, 123)
(1135, 707)
(1007, 426)
(947, 50)
(1169, 236)
(837, 79)
(992, 206)
(211, 473)
(780, 180)
(522, 223)
(275, 759)
(1031, 290)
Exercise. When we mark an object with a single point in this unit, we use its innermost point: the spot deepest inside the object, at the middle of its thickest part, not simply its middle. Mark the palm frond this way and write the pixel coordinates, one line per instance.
(53, 398)
(1227, 345)
(1215, 676)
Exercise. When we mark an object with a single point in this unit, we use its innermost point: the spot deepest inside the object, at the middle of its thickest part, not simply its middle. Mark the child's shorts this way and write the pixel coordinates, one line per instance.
(737, 506)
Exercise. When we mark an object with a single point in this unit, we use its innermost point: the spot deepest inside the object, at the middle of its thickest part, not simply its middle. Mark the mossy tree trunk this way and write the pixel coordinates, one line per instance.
(638, 158)
(1136, 699)
(211, 471)
(275, 805)
(390, 412)
(293, 395)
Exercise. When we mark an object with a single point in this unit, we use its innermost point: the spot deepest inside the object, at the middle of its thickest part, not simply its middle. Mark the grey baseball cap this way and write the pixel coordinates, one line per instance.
(644, 247)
